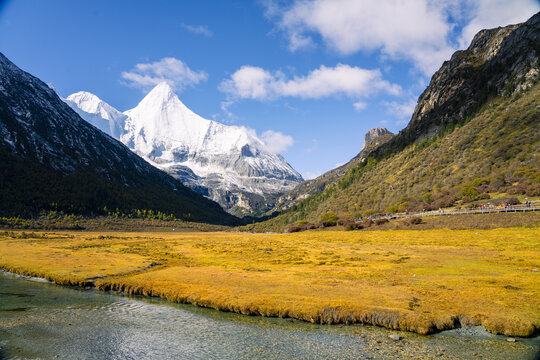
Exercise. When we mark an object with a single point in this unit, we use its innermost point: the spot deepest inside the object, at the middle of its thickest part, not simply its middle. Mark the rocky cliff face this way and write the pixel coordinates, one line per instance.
(375, 137)
(372, 139)
(498, 61)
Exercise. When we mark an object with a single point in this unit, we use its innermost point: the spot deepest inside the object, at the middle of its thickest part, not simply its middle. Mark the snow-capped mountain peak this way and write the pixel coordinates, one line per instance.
(163, 98)
(97, 112)
(229, 164)
(92, 104)
(162, 119)
(162, 93)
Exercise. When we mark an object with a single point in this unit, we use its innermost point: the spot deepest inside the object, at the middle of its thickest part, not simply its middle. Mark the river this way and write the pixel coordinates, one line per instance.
(41, 320)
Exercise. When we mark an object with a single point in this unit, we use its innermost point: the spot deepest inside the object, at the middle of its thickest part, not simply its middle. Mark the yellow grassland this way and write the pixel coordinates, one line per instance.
(421, 281)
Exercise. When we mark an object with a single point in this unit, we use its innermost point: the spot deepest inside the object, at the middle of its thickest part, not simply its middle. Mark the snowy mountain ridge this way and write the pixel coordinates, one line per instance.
(228, 164)
(97, 112)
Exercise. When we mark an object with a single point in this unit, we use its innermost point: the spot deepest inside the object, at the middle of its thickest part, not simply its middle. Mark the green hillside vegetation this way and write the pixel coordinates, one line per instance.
(493, 151)
(28, 188)
(313, 186)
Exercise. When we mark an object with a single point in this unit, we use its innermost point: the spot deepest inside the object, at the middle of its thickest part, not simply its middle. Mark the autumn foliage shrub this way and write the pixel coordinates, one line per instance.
(329, 219)
(293, 229)
(468, 193)
(414, 220)
(353, 225)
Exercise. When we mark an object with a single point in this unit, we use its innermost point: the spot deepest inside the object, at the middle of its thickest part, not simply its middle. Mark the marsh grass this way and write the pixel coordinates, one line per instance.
(421, 281)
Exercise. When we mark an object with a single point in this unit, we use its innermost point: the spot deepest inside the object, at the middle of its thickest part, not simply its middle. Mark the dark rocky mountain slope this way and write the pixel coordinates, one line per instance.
(51, 159)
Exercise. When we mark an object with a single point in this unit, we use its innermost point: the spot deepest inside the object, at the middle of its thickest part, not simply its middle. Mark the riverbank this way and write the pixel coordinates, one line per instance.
(40, 320)
(420, 281)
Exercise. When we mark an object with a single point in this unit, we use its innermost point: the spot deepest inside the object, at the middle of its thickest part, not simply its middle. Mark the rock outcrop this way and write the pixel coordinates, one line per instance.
(372, 139)
(375, 137)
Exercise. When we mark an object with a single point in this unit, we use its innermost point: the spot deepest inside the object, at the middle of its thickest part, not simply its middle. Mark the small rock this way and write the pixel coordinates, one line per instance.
(510, 339)
(535, 270)
(395, 337)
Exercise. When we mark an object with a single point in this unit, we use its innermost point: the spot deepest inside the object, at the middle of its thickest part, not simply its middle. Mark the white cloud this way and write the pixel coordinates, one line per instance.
(225, 108)
(173, 71)
(400, 110)
(199, 29)
(359, 105)
(250, 82)
(419, 31)
(276, 142)
(399, 29)
(492, 13)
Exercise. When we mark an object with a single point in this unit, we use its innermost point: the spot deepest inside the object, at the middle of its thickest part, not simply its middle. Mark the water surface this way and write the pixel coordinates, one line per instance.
(40, 320)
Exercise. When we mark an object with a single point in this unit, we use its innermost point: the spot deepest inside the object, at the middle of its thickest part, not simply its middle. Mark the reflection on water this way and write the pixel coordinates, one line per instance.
(46, 321)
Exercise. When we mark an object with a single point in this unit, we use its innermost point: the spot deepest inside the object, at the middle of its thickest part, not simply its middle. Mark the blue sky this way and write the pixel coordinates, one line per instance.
(311, 77)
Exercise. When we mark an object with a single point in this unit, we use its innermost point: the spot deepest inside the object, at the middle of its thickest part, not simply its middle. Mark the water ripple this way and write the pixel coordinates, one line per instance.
(74, 324)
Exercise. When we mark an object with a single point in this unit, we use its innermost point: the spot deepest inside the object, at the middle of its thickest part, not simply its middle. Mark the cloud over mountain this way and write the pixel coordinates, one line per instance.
(276, 142)
(173, 71)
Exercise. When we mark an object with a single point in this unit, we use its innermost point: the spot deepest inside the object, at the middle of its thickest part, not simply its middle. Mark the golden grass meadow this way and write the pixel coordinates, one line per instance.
(421, 281)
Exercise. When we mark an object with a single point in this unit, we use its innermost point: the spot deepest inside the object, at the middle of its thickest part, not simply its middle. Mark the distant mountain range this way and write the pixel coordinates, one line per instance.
(228, 164)
(474, 135)
(51, 159)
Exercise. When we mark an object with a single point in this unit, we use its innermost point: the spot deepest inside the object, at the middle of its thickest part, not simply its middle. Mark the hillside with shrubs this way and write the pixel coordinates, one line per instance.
(473, 138)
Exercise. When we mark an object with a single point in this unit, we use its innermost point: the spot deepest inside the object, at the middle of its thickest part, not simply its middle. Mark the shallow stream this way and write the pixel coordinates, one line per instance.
(41, 320)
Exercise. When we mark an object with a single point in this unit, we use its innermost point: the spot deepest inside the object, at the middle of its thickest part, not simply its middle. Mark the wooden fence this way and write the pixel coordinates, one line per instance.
(534, 206)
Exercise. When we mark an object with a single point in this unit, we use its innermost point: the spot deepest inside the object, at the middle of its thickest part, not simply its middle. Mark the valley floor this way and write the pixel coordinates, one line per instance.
(421, 281)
